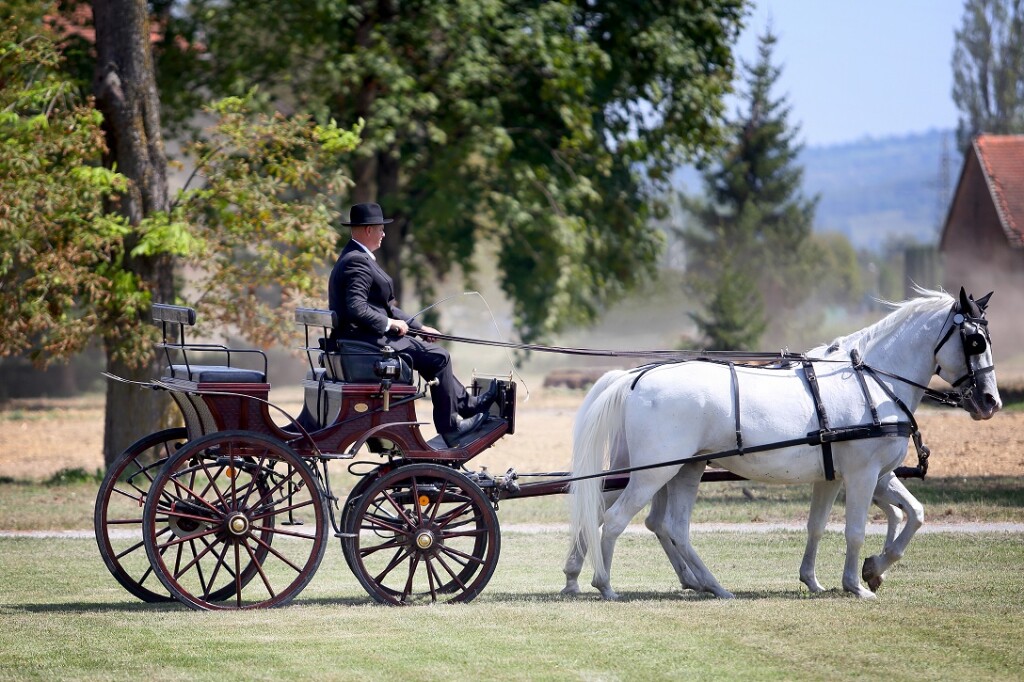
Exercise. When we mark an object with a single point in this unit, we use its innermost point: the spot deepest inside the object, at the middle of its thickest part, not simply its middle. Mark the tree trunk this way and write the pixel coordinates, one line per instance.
(126, 94)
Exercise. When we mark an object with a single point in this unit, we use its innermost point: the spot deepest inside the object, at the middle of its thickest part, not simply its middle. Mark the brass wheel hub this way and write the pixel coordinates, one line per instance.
(424, 540)
(238, 524)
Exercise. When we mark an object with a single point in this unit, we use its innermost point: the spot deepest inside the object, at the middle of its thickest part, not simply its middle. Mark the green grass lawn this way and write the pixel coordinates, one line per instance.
(69, 506)
(952, 609)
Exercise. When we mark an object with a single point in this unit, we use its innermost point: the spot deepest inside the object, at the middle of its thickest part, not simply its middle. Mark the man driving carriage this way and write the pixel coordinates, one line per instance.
(362, 296)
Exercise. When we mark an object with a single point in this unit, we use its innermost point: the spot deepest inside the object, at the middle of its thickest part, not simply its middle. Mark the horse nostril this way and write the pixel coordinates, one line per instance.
(991, 402)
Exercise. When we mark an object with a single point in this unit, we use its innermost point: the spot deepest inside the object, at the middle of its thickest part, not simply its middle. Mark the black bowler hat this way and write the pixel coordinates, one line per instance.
(366, 214)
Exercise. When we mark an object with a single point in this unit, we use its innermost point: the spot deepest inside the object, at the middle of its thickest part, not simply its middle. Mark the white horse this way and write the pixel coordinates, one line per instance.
(890, 495)
(687, 410)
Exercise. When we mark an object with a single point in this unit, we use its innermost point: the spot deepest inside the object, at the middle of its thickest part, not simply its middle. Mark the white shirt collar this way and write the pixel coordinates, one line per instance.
(363, 247)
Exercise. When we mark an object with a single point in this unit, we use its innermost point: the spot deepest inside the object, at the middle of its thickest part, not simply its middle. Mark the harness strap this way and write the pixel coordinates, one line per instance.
(858, 366)
(736, 406)
(822, 438)
(819, 406)
(923, 452)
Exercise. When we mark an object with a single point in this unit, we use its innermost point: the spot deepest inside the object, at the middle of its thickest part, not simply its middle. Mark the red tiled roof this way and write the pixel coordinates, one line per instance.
(78, 22)
(1002, 161)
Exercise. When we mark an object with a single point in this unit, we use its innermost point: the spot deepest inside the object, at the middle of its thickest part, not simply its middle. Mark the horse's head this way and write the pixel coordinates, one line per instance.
(968, 365)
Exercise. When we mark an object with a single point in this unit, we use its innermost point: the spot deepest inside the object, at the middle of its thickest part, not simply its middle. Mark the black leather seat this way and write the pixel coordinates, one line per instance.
(354, 361)
(217, 374)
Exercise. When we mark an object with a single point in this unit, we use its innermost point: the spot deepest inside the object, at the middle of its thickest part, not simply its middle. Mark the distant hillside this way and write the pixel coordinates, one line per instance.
(874, 190)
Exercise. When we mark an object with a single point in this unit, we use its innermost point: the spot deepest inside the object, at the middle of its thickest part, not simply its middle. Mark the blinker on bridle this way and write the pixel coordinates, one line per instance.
(974, 343)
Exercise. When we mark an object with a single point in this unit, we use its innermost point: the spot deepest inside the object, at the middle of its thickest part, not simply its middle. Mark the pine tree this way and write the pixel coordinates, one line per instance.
(755, 224)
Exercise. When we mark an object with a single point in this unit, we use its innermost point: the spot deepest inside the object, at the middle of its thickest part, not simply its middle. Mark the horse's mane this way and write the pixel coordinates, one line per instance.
(927, 301)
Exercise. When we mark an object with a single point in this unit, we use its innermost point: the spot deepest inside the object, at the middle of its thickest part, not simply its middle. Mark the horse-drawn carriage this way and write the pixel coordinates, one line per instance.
(234, 510)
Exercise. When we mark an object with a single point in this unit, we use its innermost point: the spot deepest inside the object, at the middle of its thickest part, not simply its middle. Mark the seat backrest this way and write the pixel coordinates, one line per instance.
(173, 320)
(354, 361)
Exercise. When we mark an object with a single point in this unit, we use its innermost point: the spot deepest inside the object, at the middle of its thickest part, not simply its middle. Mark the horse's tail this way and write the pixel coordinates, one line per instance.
(598, 429)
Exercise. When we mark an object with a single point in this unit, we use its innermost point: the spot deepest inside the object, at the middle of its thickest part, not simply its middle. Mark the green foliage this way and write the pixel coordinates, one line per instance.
(56, 238)
(988, 69)
(840, 281)
(544, 127)
(258, 220)
(734, 317)
(755, 224)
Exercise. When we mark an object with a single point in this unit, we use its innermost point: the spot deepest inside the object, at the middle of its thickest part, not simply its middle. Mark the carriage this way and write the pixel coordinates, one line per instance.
(235, 510)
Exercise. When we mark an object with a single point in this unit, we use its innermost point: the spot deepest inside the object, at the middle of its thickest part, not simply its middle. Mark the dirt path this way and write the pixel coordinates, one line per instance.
(39, 438)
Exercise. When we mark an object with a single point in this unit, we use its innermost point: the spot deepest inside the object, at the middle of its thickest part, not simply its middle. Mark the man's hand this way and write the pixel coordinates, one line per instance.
(400, 327)
(428, 333)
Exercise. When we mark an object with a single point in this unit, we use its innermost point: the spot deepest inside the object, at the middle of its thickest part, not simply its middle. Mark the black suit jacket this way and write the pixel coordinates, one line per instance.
(363, 296)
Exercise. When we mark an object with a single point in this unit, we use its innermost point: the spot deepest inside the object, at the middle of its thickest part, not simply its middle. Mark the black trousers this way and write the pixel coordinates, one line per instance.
(449, 396)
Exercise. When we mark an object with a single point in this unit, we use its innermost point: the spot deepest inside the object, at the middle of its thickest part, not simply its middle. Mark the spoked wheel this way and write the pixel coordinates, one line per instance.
(424, 533)
(236, 511)
(118, 516)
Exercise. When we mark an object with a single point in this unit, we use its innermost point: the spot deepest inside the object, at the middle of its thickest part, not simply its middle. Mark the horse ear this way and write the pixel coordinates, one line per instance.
(983, 301)
(965, 301)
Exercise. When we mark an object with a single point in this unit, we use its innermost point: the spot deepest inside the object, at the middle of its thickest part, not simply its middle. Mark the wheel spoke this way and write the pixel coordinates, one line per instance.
(199, 566)
(196, 558)
(273, 551)
(282, 531)
(452, 573)
(412, 574)
(398, 508)
(452, 552)
(400, 555)
(280, 510)
(260, 467)
(390, 544)
(216, 569)
(238, 577)
(212, 481)
(378, 523)
(178, 541)
(140, 543)
(259, 567)
(436, 506)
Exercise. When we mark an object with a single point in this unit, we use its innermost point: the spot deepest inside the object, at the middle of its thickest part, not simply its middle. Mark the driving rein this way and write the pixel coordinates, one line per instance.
(974, 343)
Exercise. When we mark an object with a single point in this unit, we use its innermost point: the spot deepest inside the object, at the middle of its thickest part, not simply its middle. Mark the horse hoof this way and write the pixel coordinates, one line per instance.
(875, 582)
(813, 585)
(570, 591)
(861, 593)
(868, 569)
(723, 594)
(609, 596)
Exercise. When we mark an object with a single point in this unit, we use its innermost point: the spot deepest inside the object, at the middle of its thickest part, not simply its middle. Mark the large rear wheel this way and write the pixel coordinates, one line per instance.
(117, 519)
(421, 534)
(230, 506)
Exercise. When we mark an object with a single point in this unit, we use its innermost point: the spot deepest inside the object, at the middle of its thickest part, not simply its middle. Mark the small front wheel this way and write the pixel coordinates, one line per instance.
(421, 534)
(235, 511)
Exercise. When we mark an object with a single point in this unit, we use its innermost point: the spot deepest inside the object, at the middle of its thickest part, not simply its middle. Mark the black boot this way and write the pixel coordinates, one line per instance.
(483, 402)
(463, 428)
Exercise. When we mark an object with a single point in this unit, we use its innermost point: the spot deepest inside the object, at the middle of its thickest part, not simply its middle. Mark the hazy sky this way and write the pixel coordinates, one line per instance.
(858, 68)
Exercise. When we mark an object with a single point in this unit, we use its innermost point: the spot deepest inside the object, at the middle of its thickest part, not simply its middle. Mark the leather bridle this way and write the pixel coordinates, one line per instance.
(974, 338)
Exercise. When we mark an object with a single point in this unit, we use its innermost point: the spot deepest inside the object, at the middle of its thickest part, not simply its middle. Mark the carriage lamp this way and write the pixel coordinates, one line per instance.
(388, 368)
